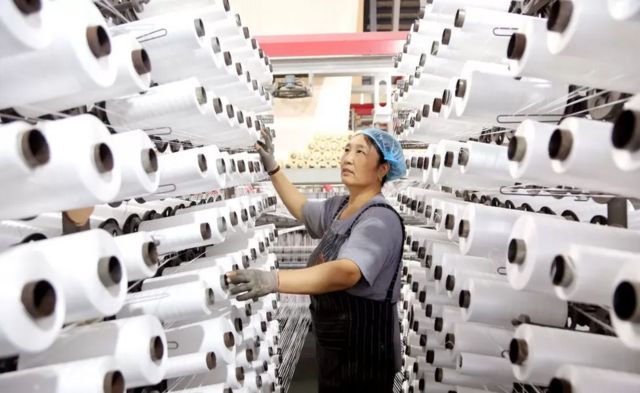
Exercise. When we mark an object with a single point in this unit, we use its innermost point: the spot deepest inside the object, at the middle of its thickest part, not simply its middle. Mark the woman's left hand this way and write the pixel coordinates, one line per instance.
(252, 284)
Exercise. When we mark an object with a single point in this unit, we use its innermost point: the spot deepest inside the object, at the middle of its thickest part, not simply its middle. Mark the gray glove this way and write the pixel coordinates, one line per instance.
(266, 151)
(252, 284)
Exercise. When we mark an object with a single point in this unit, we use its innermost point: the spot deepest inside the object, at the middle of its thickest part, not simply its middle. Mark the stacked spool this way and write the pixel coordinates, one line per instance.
(323, 151)
(519, 267)
(122, 221)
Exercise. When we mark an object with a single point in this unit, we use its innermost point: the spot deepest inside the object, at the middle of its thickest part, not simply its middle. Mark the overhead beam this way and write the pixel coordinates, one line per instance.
(344, 44)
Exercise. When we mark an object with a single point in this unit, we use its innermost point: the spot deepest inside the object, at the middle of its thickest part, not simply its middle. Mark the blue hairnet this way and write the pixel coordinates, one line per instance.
(391, 151)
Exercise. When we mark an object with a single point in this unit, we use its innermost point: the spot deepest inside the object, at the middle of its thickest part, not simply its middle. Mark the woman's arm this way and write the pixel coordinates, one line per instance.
(325, 277)
(292, 198)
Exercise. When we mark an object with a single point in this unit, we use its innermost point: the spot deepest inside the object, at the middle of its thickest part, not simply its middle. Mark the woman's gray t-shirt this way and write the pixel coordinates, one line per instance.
(375, 243)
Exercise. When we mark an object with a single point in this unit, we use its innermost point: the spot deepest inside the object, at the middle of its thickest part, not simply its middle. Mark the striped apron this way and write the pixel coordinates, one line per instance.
(354, 336)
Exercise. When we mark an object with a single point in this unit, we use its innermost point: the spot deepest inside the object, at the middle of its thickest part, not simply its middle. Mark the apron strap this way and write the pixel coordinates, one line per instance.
(340, 207)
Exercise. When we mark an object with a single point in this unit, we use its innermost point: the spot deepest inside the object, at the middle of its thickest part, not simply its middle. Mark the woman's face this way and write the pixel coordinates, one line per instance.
(359, 165)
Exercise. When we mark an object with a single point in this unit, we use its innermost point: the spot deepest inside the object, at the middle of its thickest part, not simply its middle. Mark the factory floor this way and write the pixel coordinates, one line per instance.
(305, 378)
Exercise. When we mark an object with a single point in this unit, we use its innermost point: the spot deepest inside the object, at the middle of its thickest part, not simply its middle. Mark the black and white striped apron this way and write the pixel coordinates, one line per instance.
(354, 335)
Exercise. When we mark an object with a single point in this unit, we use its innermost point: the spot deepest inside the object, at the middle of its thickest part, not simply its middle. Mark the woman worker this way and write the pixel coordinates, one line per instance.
(352, 275)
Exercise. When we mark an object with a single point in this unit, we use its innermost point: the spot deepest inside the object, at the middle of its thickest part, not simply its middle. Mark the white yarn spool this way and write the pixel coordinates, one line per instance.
(173, 303)
(425, 234)
(215, 335)
(436, 387)
(164, 106)
(77, 59)
(139, 255)
(486, 46)
(181, 237)
(458, 277)
(17, 232)
(489, 161)
(435, 340)
(626, 10)
(429, 85)
(33, 302)
(453, 262)
(435, 252)
(442, 67)
(436, 298)
(585, 29)
(191, 364)
(225, 374)
(407, 63)
(236, 218)
(231, 175)
(591, 380)
(213, 276)
(166, 36)
(216, 217)
(434, 310)
(496, 303)
(586, 274)
(441, 358)
(252, 382)
(99, 375)
(542, 359)
(446, 323)
(451, 6)
(244, 355)
(445, 167)
(434, 210)
(128, 215)
(498, 369)
(423, 326)
(479, 338)
(133, 76)
(213, 8)
(134, 67)
(452, 212)
(417, 97)
(184, 167)
(576, 209)
(76, 175)
(139, 163)
(137, 345)
(422, 36)
(93, 279)
(625, 153)
(529, 55)
(214, 178)
(24, 27)
(419, 43)
(528, 152)
(24, 149)
(534, 243)
(466, 389)
(489, 94)
(576, 145)
(452, 377)
(224, 262)
(439, 17)
(484, 231)
(256, 329)
(240, 241)
(624, 315)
